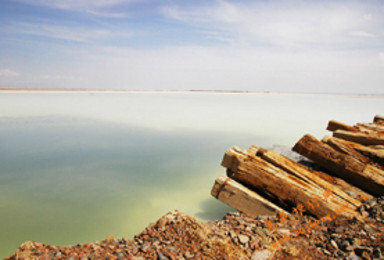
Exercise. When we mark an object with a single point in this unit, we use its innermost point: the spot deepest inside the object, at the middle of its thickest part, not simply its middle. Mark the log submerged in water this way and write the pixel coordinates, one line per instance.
(364, 176)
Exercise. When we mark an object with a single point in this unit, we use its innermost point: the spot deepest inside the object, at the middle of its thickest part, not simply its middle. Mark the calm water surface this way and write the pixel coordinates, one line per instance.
(75, 167)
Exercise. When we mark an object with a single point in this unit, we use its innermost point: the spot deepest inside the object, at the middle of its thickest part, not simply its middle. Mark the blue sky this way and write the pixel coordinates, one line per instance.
(269, 45)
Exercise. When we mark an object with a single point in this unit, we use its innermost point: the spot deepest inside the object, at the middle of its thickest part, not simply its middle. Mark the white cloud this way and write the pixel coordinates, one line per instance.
(75, 5)
(196, 67)
(106, 14)
(58, 32)
(58, 77)
(8, 73)
(363, 34)
(381, 56)
(286, 23)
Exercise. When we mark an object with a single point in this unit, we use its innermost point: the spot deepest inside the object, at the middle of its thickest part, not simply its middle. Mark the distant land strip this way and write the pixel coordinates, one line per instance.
(78, 90)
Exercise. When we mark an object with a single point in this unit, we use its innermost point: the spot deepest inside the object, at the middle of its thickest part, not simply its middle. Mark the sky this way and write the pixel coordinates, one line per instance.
(317, 46)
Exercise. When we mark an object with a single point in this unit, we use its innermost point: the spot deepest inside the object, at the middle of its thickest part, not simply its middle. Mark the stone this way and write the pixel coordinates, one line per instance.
(353, 257)
(284, 231)
(346, 246)
(110, 239)
(377, 253)
(160, 256)
(261, 255)
(334, 244)
(137, 258)
(188, 255)
(243, 239)
(28, 245)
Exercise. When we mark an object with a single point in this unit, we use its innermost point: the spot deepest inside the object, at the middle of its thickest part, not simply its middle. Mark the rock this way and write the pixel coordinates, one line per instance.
(284, 231)
(243, 239)
(377, 253)
(29, 245)
(160, 256)
(346, 246)
(334, 244)
(363, 251)
(261, 255)
(353, 257)
(188, 255)
(110, 239)
(339, 253)
(366, 256)
(137, 258)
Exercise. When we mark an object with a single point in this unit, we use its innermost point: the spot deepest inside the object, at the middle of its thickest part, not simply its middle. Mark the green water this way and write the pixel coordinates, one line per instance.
(75, 168)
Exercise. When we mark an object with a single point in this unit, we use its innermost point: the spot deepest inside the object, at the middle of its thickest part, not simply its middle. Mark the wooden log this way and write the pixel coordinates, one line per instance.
(370, 128)
(377, 147)
(334, 125)
(375, 153)
(343, 185)
(335, 181)
(343, 147)
(359, 137)
(378, 120)
(364, 176)
(307, 176)
(261, 175)
(241, 198)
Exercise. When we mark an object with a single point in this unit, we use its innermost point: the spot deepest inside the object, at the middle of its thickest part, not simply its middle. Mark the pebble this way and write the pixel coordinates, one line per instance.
(178, 236)
(261, 255)
(334, 244)
(243, 239)
(161, 256)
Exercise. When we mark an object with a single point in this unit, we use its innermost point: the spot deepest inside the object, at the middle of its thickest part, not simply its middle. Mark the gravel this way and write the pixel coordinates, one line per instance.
(179, 236)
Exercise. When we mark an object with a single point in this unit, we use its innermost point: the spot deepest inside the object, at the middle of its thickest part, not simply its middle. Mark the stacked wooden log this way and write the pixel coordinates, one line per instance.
(263, 182)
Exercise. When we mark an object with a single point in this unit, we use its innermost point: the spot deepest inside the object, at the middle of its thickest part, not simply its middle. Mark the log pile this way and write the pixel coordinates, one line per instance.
(263, 182)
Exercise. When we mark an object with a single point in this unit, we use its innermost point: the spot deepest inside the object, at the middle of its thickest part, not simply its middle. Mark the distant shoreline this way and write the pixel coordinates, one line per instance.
(112, 91)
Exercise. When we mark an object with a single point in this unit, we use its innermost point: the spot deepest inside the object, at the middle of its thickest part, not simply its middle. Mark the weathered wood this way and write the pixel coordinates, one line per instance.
(364, 176)
(334, 125)
(377, 147)
(261, 175)
(307, 176)
(343, 185)
(378, 120)
(343, 147)
(241, 198)
(335, 181)
(370, 128)
(373, 152)
(359, 137)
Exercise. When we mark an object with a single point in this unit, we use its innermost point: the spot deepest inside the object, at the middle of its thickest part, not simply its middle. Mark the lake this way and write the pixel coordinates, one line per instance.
(76, 167)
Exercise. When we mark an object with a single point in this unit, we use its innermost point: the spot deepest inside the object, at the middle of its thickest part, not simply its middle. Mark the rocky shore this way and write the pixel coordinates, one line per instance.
(236, 236)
